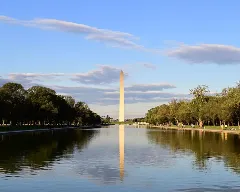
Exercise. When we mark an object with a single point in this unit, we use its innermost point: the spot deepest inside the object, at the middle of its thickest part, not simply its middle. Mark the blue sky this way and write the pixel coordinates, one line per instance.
(78, 47)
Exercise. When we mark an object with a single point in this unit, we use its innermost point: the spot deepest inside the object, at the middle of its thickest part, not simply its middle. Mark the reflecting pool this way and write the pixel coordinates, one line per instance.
(120, 158)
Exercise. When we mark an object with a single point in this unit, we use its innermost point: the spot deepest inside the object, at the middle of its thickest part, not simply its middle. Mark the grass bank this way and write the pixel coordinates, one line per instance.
(235, 130)
(212, 127)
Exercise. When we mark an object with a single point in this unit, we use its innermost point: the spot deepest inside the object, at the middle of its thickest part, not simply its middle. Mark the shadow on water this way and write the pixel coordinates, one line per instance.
(37, 151)
(205, 146)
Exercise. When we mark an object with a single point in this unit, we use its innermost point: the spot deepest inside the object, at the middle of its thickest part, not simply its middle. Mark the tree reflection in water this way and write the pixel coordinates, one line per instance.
(205, 146)
(40, 150)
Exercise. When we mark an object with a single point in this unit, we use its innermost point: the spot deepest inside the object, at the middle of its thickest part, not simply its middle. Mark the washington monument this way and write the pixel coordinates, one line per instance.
(121, 99)
(121, 127)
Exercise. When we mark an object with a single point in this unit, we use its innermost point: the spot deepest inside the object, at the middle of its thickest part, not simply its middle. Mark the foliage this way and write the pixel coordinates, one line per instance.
(202, 109)
(106, 120)
(41, 105)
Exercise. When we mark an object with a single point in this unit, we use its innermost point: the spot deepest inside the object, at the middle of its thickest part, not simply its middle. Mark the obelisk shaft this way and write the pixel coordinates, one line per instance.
(121, 102)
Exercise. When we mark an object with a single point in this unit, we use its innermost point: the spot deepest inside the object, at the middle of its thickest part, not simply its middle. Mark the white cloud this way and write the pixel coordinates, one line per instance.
(34, 76)
(139, 93)
(150, 87)
(104, 75)
(86, 94)
(116, 41)
(207, 53)
(106, 100)
(23, 81)
(3, 81)
(149, 65)
(115, 38)
(31, 79)
(106, 96)
(110, 96)
(7, 19)
(139, 97)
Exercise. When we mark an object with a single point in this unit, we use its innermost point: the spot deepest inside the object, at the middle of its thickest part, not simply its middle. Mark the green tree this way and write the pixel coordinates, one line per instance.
(183, 113)
(223, 108)
(14, 95)
(199, 101)
(41, 105)
(44, 102)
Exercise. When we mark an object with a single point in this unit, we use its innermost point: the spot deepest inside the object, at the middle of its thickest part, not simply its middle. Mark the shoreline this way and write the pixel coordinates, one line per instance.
(42, 130)
(236, 132)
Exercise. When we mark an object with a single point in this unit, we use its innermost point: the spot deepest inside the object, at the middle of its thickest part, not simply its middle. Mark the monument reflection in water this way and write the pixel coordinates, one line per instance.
(121, 151)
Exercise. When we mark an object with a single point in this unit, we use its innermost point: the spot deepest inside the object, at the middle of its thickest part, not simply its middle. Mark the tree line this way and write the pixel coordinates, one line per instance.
(203, 109)
(40, 105)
